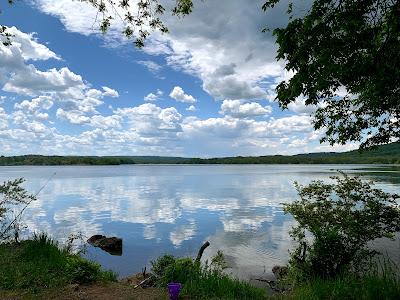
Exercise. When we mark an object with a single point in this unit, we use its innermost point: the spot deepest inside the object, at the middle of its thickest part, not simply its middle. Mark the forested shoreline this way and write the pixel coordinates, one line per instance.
(385, 154)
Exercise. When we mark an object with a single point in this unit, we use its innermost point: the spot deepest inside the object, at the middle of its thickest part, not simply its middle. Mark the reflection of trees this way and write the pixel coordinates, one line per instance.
(380, 174)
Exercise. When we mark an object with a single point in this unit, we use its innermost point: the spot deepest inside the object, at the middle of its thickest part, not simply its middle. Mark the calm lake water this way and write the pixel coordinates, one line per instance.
(173, 209)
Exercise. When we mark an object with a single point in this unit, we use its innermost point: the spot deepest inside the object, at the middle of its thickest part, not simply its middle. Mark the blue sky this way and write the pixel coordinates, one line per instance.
(206, 89)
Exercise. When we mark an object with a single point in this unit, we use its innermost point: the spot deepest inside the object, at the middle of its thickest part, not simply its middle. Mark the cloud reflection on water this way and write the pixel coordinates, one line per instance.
(172, 209)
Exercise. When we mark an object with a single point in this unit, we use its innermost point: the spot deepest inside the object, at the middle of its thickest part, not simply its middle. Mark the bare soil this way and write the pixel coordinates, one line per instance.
(100, 291)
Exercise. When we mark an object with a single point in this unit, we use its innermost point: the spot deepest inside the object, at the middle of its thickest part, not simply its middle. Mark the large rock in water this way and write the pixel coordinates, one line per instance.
(112, 245)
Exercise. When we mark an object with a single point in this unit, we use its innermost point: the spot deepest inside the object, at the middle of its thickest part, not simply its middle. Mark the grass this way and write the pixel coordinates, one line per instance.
(216, 286)
(349, 287)
(202, 282)
(41, 263)
(380, 281)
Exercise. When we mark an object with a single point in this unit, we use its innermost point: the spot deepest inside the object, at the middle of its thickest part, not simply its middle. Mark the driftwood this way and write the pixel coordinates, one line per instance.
(143, 281)
(271, 283)
(200, 254)
(265, 280)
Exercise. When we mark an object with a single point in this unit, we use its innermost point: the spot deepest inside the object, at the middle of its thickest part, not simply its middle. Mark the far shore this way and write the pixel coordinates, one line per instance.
(384, 154)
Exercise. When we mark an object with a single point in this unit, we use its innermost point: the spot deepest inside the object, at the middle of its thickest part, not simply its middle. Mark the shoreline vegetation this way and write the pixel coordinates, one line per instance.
(40, 268)
(384, 154)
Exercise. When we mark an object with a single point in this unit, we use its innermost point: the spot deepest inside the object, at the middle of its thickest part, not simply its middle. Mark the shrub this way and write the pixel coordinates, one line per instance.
(40, 263)
(335, 223)
(203, 282)
(160, 264)
(373, 284)
(12, 196)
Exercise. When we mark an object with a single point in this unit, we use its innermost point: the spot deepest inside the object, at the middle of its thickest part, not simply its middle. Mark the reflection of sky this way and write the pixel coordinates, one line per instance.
(173, 209)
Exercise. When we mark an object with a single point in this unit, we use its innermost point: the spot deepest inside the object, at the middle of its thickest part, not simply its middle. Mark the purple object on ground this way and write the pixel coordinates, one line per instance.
(174, 288)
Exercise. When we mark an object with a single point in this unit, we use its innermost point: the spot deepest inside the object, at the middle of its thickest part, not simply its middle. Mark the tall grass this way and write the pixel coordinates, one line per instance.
(40, 263)
(202, 282)
(380, 281)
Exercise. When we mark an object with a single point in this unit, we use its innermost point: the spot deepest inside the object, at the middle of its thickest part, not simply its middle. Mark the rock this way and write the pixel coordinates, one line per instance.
(112, 245)
(280, 271)
(94, 239)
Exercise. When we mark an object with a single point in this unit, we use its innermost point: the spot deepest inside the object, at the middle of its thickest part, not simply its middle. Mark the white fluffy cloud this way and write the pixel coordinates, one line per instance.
(109, 92)
(150, 120)
(191, 108)
(75, 98)
(237, 108)
(179, 95)
(153, 96)
(42, 102)
(300, 107)
(17, 75)
(72, 116)
(30, 47)
(105, 122)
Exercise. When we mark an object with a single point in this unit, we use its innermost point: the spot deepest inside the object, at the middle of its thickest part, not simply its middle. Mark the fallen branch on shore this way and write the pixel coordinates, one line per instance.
(143, 281)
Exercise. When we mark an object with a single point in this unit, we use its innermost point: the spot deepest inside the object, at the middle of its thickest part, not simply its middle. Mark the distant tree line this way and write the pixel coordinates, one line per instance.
(385, 154)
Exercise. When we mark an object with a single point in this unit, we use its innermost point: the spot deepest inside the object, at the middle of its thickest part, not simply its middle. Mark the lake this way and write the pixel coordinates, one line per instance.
(159, 209)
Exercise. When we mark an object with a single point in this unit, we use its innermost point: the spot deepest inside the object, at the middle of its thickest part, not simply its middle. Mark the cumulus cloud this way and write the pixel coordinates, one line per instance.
(32, 109)
(224, 83)
(61, 86)
(72, 116)
(300, 107)
(153, 96)
(150, 120)
(105, 122)
(42, 102)
(32, 82)
(109, 92)
(191, 108)
(233, 136)
(236, 108)
(179, 95)
(30, 47)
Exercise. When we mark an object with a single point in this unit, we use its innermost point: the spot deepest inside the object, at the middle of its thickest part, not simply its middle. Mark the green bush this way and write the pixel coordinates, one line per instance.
(40, 263)
(83, 271)
(335, 224)
(349, 286)
(203, 282)
(160, 264)
(13, 197)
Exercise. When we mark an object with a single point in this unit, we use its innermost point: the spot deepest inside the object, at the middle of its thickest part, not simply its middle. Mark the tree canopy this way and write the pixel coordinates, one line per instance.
(345, 59)
(140, 17)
